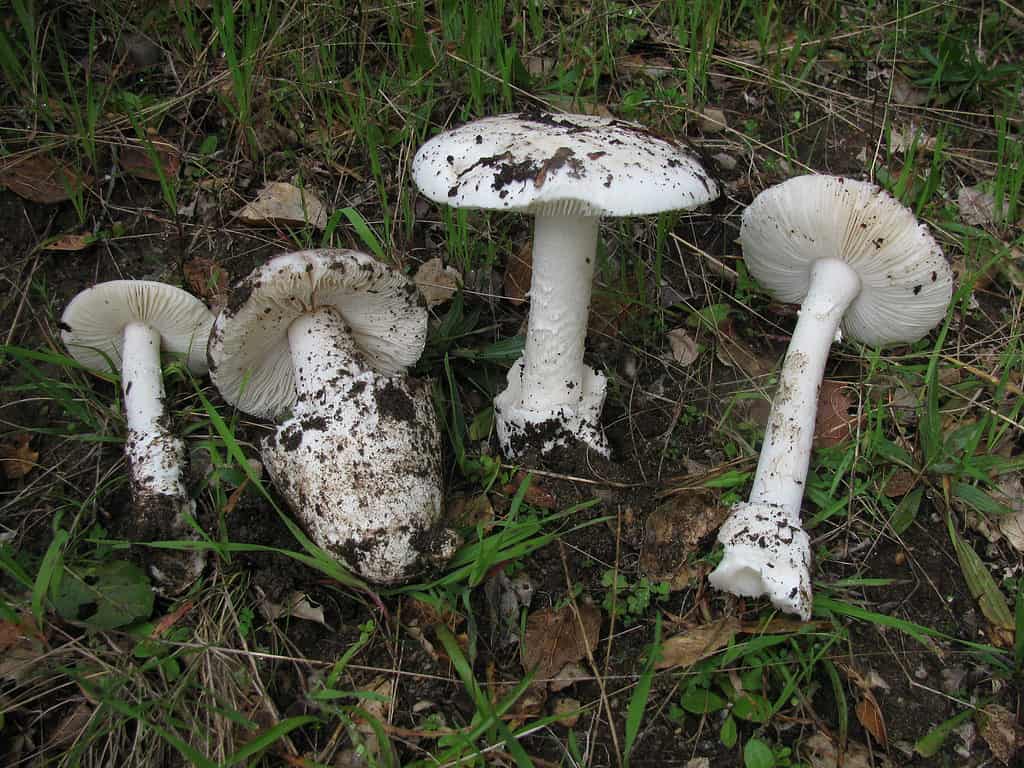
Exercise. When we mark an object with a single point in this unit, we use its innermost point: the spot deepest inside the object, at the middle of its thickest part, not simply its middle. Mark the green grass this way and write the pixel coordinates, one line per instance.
(336, 99)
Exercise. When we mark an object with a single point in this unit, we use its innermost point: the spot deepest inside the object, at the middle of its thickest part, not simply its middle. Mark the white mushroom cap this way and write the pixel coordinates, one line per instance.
(250, 361)
(541, 162)
(92, 326)
(906, 283)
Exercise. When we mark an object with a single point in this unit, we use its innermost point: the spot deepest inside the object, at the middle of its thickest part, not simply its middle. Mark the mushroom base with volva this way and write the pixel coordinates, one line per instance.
(362, 474)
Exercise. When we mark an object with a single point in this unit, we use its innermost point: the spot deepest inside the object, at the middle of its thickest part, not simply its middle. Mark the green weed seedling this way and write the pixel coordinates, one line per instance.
(627, 601)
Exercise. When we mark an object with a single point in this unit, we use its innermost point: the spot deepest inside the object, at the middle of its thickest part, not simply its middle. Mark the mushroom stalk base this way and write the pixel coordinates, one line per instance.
(156, 462)
(766, 550)
(550, 390)
(359, 459)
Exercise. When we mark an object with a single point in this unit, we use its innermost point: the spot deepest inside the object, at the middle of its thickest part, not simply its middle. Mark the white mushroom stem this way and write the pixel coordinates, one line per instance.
(323, 354)
(550, 384)
(564, 251)
(156, 456)
(766, 550)
(156, 461)
(786, 452)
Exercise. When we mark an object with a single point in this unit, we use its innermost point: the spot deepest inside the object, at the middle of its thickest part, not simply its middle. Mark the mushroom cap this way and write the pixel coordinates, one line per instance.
(906, 283)
(540, 162)
(249, 354)
(92, 326)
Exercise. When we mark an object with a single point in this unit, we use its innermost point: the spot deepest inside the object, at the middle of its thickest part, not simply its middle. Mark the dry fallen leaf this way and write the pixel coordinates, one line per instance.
(70, 242)
(567, 676)
(736, 353)
(138, 161)
(41, 178)
(296, 605)
(687, 648)
(821, 752)
(518, 273)
(536, 494)
(684, 347)
(837, 417)
(285, 204)
(712, 120)
(71, 726)
(566, 711)
(900, 483)
(554, 638)
(437, 282)
(675, 529)
(1002, 733)
(976, 207)
(870, 716)
(206, 279)
(19, 459)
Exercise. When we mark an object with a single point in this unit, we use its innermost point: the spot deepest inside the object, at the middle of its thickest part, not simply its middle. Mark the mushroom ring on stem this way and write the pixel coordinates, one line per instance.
(320, 340)
(127, 324)
(568, 171)
(857, 261)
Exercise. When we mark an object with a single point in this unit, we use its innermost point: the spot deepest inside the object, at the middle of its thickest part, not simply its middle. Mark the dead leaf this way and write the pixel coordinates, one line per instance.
(518, 274)
(296, 605)
(206, 279)
(905, 92)
(470, 511)
(536, 494)
(70, 242)
(506, 597)
(18, 459)
(712, 120)
(834, 423)
(146, 162)
(567, 676)
(41, 178)
(554, 638)
(900, 483)
(284, 204)
(566, 711)
(870, 716)
(1001, 731)
(684, 347)
(736, 353)
(976, 207)
(437, 282)
(71, 726)
(821, 752)
(675, 529)
(687, 648)
(424, 614)
(10, 633)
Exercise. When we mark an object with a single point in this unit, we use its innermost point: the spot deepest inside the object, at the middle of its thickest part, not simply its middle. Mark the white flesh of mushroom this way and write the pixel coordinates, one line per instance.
(853, 256)
(550, 381)
(766, 550)
(359, 458)
(155, 454)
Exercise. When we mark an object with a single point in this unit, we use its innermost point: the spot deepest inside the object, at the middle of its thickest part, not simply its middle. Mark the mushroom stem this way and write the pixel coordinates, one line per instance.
(323, 354)
(155, 454)
(786, 451)
(767, 552)
(564, 250)
(156, 461)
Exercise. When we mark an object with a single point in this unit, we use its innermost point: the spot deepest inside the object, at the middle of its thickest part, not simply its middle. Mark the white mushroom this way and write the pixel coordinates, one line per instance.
(127, 324)
(568, 171)
(320, 340)
(855, 259)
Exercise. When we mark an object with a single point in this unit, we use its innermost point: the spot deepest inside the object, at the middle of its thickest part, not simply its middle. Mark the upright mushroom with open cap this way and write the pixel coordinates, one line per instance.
(568, 171)
(855, 259)
(321, 339)
(127, 323)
